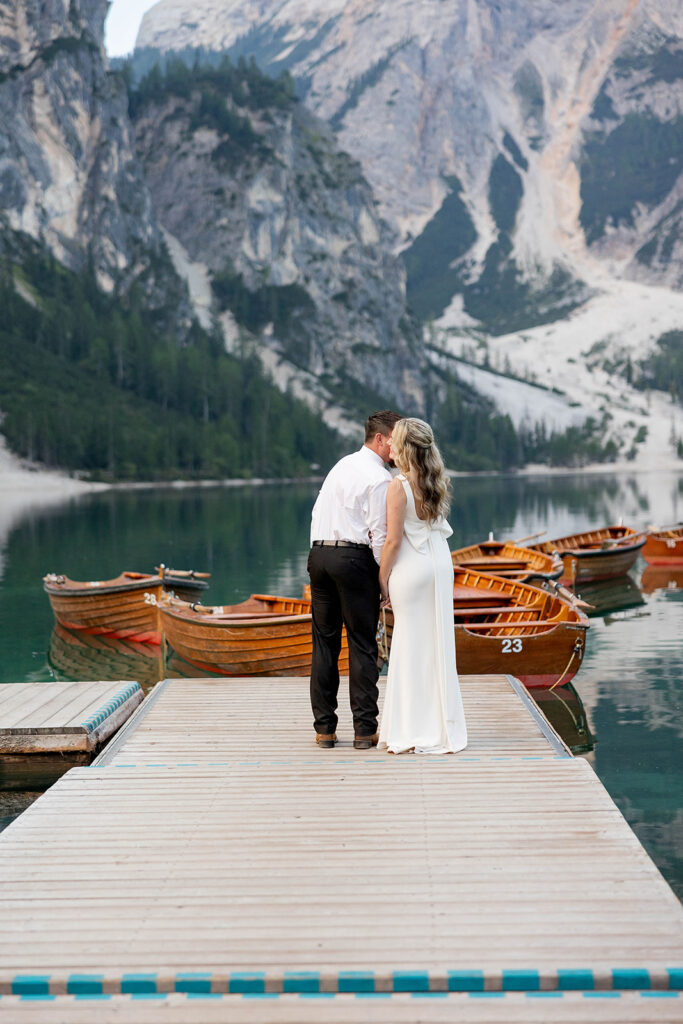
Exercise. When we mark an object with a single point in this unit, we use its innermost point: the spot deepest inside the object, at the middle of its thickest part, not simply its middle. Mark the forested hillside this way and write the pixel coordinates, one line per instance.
(91, 383)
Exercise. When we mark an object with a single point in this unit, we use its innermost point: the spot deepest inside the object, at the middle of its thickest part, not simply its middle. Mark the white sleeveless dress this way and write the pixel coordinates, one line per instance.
(422, 705)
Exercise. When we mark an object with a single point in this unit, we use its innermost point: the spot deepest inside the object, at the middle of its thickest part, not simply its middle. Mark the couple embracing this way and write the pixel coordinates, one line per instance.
(378, 540)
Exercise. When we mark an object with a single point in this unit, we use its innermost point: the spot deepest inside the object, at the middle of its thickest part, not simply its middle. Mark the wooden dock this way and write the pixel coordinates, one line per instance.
(214, 865)
(49, 718)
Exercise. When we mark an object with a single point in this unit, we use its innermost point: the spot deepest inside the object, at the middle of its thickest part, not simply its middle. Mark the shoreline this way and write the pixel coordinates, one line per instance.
(22, 480)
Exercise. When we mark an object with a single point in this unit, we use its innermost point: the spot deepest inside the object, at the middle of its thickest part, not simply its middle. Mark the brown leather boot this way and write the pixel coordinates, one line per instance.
(326, 739)
(365, 742)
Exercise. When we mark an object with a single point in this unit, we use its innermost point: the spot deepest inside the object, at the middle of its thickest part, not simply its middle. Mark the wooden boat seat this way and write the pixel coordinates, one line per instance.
(493, 563)
(473, 596)
(515, 624)
(497, 610)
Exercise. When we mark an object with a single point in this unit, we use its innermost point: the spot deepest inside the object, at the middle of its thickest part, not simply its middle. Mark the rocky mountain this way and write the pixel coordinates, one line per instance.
(69, 175)
(283, 227)
(520, 150)
(238, 212)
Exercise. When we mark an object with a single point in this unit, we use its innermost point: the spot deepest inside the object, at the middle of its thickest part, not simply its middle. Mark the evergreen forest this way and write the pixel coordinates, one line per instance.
(93, 384)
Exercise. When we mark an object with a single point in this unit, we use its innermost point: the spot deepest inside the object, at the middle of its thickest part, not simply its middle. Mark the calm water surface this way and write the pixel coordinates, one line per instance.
(623, 711)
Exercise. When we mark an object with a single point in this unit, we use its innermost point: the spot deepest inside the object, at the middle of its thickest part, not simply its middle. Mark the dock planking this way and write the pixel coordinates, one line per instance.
(60, 717)
(214, 850)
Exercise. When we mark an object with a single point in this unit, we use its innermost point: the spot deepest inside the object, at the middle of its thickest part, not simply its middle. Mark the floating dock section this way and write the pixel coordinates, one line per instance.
(214, 865)
(50, 718)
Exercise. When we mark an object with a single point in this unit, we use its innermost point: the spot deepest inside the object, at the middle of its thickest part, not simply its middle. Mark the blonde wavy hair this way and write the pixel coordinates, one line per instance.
(416, 452)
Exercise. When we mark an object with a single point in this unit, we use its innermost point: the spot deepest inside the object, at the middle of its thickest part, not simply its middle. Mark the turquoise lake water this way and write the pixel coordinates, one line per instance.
(623, 711)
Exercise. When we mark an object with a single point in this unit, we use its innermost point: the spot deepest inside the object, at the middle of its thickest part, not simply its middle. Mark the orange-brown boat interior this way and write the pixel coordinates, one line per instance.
(496, 606)
(505, 558)
(257, 606)
(264, 635)
(608, 538)
(664, 547)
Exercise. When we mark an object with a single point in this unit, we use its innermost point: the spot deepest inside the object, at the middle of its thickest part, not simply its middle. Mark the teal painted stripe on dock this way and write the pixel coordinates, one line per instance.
(193, 982)
(356, 981)
(42, 998)
(138, 984)
(31, 985)
(521, 981)
(575, 979)
(247, 982)
(544, 995)
(465, 981)
(664, 994)
(630, 978)
(84, 984)
(98, 717)
(601, 995)
(411, 981)
(81, 996)
(301, 981)
(204, 995)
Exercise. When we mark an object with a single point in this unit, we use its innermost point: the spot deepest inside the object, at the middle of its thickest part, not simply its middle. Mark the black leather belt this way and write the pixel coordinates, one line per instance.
(338, 544)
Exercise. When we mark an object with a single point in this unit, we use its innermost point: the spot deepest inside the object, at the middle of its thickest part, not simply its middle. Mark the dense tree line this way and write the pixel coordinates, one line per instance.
(92, 384)
(181, 74)
(663, 368)
(473, 436)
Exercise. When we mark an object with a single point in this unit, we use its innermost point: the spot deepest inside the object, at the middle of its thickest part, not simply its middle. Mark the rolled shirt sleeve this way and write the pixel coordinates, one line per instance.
(377, 516)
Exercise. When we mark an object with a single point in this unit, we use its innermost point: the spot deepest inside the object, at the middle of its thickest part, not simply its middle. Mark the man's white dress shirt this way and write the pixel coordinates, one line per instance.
(352, 503)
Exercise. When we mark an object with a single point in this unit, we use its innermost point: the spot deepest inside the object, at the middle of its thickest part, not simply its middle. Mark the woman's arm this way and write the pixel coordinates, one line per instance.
(396, 513)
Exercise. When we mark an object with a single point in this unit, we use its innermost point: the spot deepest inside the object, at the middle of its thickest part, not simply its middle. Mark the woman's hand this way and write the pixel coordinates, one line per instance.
(396, 511)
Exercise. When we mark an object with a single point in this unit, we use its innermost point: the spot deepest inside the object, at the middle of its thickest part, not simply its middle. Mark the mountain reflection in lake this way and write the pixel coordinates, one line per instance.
(625, 702)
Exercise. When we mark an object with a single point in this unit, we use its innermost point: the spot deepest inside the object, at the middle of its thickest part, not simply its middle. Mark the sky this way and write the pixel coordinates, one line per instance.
(123, 22)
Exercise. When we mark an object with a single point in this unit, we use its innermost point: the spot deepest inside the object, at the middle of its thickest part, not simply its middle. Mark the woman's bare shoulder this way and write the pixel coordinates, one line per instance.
(396, 488)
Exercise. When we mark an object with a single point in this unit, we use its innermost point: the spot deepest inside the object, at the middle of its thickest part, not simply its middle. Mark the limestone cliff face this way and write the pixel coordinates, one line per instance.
(492, 133)
(285, 225)
(69, 175)
(285, 222)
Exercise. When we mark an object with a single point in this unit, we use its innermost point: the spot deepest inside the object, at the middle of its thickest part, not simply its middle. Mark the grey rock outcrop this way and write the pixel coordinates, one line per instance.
(495, 104)
(287, 228)
(69, 176)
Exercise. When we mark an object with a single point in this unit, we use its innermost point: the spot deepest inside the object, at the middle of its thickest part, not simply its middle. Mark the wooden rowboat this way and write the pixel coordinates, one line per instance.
(506, 558)
(664, 547)
(263, 636)
(117, 607)
(595, 554)
(504, 626)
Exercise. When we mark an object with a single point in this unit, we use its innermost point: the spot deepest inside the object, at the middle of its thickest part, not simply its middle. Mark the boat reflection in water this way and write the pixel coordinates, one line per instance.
(565, 711)
(80, 656)
(606, 596)
(661, 577)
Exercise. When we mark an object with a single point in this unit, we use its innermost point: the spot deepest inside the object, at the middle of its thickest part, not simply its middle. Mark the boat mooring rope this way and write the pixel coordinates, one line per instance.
(578, 647)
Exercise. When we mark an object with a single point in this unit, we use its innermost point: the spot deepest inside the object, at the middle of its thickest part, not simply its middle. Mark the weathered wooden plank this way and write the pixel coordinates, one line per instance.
(279, 857)
(65, 717)
(28, 698)
(398, 1008)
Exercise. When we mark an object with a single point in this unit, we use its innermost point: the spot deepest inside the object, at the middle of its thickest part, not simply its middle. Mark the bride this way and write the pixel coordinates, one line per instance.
(422, 707)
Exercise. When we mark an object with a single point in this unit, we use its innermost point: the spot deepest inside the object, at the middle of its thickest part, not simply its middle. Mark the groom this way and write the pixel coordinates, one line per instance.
(348, 529)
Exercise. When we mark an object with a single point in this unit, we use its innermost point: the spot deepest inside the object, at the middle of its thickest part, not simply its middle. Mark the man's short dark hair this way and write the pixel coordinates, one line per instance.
(381, 423)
